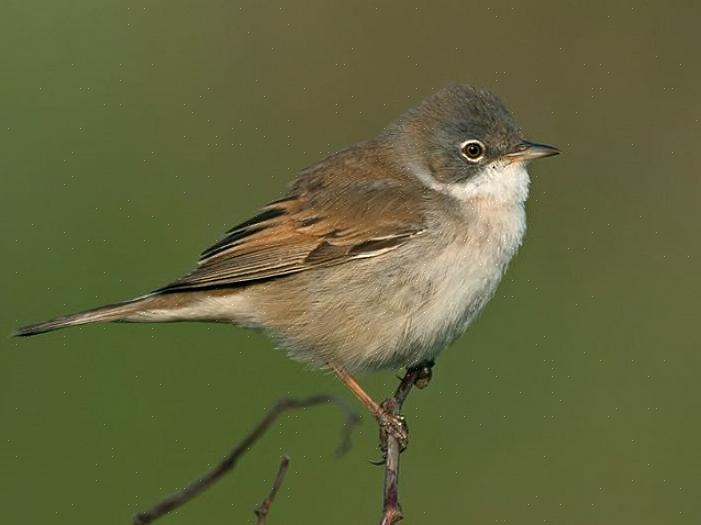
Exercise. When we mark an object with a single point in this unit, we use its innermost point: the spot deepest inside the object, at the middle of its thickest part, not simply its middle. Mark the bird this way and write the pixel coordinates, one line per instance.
(378, 256)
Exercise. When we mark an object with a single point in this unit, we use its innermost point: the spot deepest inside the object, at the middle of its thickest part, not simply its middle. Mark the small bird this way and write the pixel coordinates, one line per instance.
(379, 256)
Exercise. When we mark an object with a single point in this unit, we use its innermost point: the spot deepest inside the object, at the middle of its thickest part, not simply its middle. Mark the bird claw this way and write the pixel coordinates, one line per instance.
(378, 462)
(392, 425)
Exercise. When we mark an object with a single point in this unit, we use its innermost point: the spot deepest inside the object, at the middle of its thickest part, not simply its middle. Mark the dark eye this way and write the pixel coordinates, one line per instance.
(473, 150)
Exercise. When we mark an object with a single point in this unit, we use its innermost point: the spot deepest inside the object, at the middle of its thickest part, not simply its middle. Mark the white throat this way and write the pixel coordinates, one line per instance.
(505, 182)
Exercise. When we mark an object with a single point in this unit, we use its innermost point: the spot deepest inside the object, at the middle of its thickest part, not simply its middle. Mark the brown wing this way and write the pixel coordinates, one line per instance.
(305, 231)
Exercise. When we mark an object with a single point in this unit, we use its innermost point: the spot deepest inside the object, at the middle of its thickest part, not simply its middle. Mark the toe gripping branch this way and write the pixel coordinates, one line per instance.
(389, 418)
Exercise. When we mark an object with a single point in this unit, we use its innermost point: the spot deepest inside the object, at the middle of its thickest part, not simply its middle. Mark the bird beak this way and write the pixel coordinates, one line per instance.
(527, 151)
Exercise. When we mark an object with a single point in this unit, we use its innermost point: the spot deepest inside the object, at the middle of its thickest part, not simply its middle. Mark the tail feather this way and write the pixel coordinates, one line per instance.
(111, 312)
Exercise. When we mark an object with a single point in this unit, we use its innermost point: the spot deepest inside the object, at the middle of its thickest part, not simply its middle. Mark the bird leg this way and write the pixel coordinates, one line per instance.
(356, 389)
(418, 375)
(390, 421)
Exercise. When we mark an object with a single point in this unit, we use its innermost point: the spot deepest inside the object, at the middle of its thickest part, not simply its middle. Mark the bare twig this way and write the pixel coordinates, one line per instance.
(229, 462)
(261, 511)
(391, 509)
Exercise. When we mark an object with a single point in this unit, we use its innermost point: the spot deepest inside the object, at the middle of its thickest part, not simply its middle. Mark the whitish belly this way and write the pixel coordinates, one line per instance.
(461, 280)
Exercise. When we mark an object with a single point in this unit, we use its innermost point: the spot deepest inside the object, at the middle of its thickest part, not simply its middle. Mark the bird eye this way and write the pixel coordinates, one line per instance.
(472, 150)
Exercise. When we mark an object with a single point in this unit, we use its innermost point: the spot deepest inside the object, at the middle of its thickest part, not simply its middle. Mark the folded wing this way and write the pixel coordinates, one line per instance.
(304, 231)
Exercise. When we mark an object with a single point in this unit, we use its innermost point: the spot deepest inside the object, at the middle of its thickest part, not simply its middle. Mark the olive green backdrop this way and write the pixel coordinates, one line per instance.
(132, 134)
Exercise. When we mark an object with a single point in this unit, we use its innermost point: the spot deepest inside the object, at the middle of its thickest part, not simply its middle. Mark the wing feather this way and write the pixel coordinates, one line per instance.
(295, 234)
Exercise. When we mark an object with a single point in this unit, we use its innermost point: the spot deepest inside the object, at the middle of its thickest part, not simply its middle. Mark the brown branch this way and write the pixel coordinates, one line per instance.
(261, 511)
(229, 462)
(391, 509)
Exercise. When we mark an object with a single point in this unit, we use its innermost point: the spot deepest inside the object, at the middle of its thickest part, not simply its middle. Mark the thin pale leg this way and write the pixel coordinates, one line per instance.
(390, 422)
(356, 389)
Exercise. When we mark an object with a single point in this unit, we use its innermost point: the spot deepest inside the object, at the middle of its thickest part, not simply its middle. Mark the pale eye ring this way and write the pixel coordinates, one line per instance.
(473, 150)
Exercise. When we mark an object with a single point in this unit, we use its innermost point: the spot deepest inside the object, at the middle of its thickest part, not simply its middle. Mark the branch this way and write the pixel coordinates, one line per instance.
(229, 462)
(391, 509)
(262, 510)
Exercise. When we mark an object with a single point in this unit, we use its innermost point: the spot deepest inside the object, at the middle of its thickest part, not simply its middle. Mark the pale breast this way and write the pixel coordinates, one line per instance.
(463, 276)
(399, 308)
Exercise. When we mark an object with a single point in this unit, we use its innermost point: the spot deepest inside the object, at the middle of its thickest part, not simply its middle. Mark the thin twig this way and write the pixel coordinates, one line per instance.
(391, 509)
(229, 462)
(262, 510)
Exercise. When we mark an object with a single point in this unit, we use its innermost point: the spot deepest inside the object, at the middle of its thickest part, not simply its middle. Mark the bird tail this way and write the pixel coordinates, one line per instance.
(111, 312)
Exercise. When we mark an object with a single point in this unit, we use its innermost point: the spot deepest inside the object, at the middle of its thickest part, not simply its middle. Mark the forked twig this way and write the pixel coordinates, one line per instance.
(261, 511)
(229, 462)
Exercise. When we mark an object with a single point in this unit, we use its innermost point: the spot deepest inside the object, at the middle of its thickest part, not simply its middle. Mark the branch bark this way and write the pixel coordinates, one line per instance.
(392, 435)
(262, 510)
(391, 509)
(229, 462)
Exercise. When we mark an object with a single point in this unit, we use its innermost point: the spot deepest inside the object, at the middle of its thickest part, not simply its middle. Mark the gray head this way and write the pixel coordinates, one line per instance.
(458, 131)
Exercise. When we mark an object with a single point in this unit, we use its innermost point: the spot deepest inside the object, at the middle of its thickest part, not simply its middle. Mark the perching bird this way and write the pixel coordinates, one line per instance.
(379, 255)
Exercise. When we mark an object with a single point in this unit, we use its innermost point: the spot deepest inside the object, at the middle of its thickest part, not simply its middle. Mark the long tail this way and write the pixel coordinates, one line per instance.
(111, 312)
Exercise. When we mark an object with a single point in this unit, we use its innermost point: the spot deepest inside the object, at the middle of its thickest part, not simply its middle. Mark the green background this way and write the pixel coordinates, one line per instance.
(132, 134)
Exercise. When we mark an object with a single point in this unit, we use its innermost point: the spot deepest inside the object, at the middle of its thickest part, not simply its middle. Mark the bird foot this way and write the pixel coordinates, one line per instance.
(392, 425)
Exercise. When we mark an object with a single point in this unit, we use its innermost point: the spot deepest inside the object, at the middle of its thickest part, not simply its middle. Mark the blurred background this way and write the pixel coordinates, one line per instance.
(133, 134)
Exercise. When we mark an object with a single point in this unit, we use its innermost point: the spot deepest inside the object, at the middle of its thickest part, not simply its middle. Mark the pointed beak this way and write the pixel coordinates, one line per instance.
(527, 151)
